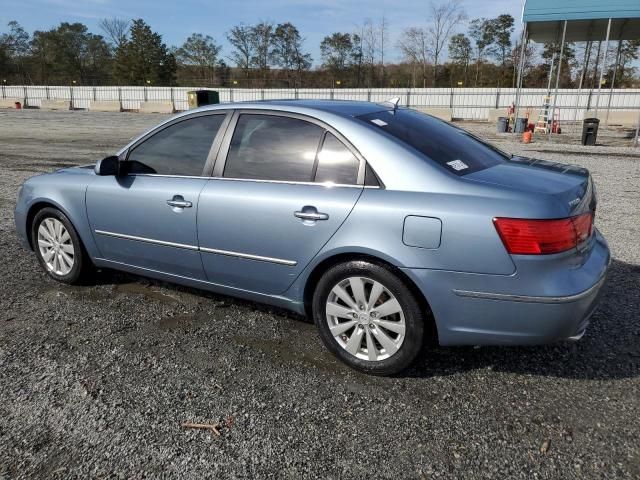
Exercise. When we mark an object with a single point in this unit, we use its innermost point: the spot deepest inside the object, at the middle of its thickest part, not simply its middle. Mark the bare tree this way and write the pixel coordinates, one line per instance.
(384, 26)
(240, 38)
(414, 45)
(373, 38)
(369, 48)
(262, 42)
(116, 30)
(445, 16)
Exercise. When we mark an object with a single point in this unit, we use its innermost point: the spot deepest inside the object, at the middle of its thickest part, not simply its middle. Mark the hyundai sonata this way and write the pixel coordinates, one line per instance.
(388, 227)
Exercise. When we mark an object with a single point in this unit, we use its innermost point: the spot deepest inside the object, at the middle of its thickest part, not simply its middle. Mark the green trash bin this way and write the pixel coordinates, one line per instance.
(503, 125)
(198, 98)
(590, 131)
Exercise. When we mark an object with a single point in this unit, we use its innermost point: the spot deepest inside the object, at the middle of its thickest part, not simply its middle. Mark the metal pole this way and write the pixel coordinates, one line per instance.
(523, 49)
(555, 93)
(604, 64)
(587, 53)
(613, 81)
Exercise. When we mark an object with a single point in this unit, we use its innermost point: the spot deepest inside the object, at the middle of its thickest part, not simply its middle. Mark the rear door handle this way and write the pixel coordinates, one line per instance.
(179, 202)
(311, 214)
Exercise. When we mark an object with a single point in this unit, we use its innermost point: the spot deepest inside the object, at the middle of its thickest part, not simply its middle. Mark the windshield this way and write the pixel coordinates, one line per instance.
(455, 149)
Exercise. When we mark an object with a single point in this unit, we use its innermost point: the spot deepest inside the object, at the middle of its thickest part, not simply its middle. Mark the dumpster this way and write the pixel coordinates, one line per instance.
(521, 125)
(503, 124)
(198, 98)
(590, 131)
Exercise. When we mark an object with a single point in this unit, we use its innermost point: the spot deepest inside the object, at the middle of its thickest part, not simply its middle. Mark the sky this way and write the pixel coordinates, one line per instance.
(177, 19)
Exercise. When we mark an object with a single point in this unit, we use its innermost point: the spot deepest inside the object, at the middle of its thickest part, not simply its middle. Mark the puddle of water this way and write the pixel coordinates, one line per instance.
(146, 291)
(93, 294)
(183, 320)
(290, 352)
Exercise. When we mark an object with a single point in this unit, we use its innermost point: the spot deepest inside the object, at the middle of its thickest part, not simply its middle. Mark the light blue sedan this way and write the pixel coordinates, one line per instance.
(390, 228)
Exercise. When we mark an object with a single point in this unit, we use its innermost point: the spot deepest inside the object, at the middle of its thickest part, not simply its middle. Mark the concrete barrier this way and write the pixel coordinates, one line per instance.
(54, 104)
(156, 107)
(626, 118)
(441, 113)
(10, 102)
(105, 106)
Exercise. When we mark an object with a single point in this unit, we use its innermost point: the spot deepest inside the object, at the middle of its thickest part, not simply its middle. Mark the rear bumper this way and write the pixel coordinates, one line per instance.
(541, 303)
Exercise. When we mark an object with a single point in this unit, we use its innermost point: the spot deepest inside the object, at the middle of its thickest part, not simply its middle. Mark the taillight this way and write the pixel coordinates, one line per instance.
(538, 237)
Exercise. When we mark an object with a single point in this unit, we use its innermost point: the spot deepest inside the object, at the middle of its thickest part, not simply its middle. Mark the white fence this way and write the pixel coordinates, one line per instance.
(465, 103)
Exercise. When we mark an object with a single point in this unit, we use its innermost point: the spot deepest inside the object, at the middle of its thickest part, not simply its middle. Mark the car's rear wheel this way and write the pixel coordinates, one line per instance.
(368, 317)
(58, 247)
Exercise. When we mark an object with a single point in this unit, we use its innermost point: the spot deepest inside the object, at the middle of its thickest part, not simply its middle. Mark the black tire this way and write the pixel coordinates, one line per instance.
(414, 316)
(82, 266)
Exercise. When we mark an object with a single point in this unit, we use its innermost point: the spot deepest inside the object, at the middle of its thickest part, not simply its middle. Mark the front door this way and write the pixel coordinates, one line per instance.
(286, 187)
(147, 217)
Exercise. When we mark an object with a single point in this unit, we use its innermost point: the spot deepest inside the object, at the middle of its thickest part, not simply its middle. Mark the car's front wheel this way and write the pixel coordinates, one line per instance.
(368, 317)
(58, 247)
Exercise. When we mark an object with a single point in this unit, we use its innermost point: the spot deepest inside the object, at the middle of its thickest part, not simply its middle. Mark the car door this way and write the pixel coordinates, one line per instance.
(263, 216)
(146, 217)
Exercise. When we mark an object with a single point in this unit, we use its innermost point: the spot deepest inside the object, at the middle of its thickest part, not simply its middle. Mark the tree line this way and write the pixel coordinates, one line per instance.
(438, 52)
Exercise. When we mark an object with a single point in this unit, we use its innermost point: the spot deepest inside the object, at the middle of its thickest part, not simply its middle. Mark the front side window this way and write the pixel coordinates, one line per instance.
(270, 147)
(336, 163)
(453, 148)
(179, 149)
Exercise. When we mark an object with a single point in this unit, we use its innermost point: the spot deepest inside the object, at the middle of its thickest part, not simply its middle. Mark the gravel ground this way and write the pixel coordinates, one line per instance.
(96, 381)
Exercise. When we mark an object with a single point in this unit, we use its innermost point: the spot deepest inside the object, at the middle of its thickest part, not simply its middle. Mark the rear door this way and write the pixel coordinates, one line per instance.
(147, 217)
(282, 186)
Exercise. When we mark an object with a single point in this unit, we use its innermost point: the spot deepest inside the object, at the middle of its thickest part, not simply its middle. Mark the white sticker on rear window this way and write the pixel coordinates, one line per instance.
(457, 165)
(380, 123)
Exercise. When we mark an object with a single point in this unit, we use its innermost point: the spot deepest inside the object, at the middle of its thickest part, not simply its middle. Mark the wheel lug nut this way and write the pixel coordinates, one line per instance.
(361, 307)
(354, 315)
(371, 326)
(373, 314)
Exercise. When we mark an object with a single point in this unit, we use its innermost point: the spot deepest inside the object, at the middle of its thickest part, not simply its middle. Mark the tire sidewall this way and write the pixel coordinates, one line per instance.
(414, 317)
(78, 258)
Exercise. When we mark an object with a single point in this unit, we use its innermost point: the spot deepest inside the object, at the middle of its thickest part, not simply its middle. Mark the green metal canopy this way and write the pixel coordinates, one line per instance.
(586, 19)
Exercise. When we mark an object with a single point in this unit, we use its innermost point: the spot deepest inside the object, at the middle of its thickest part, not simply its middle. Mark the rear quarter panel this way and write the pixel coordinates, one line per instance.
(469, 242)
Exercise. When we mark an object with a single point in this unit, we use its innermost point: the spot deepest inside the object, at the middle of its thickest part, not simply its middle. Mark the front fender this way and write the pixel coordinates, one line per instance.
(65, 192)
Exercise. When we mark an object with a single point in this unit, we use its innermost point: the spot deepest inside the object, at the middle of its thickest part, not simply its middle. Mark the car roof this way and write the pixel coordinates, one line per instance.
(344, 108)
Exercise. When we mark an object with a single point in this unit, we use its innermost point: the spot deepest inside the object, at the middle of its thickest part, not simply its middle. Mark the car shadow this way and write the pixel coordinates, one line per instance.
(609, 350)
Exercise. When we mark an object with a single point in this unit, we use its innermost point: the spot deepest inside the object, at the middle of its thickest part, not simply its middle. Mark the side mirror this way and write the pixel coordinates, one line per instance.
(108, 166)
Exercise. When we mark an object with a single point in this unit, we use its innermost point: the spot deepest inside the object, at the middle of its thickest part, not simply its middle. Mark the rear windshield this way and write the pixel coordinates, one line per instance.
(457, 150)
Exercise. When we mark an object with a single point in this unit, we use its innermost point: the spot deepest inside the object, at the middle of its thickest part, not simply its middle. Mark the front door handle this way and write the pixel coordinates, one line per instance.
(179, 202)
(310, 213)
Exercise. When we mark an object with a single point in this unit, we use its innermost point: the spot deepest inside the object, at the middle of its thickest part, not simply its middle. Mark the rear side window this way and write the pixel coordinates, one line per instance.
(270, 147)
(179, 149)
(455, 149)
(336, 163)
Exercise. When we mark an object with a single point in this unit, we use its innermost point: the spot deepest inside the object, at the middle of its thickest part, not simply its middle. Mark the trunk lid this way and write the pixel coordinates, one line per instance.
(569, 184)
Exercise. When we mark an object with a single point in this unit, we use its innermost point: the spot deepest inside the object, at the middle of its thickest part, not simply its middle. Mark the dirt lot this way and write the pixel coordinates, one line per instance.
(96, 381)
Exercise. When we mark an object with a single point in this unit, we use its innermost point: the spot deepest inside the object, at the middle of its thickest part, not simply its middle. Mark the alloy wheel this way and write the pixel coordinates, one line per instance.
(56, 246)
(365, 318)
